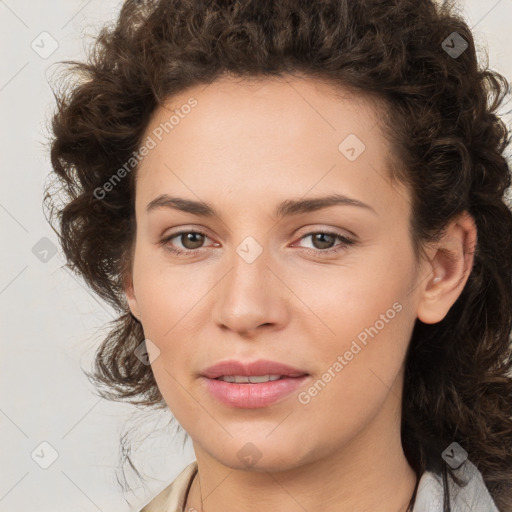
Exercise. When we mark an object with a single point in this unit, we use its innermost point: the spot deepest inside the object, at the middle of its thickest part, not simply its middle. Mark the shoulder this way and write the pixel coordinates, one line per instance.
(172, 498)
(472, 496)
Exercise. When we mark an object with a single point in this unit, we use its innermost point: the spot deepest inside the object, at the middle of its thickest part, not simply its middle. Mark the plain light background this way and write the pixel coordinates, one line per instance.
(50, 323)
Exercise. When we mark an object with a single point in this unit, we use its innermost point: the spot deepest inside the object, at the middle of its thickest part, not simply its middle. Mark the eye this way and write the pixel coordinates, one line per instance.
(323, 240)
(190, 240)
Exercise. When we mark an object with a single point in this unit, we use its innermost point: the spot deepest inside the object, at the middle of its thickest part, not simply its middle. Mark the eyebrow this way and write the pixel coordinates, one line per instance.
(286, 208)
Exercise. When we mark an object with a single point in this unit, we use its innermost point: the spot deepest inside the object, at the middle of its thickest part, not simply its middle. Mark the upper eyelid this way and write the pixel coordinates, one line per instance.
(308, 231)
(332, 231)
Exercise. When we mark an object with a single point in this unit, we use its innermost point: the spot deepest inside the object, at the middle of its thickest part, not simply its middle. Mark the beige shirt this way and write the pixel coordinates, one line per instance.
(474, 497)
(174, 497)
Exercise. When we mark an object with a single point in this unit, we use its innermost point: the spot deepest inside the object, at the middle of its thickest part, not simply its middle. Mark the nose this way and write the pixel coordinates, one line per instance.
(251, 296)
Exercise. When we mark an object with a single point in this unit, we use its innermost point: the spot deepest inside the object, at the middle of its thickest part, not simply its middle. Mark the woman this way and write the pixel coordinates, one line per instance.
(298, 209)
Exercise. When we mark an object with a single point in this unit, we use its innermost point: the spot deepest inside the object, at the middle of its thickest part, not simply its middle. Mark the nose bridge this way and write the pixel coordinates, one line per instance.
(249, 295)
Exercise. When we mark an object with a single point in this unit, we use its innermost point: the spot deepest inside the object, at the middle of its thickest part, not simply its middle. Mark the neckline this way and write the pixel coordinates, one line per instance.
(410, 508)
(189, 486)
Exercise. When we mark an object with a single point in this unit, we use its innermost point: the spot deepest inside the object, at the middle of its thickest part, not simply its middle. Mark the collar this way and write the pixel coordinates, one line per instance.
(473, 496)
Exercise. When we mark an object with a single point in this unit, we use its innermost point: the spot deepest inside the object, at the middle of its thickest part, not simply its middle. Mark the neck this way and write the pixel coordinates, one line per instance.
(369, 473)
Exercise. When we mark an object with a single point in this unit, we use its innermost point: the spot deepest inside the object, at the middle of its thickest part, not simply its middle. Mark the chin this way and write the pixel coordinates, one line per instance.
(260, 456)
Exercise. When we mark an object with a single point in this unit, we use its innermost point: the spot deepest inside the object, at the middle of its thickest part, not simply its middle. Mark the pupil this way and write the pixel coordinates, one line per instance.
(315, 239)
(189, 238)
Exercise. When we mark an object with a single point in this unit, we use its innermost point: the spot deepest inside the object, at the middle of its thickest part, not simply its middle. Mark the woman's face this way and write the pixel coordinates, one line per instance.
(260, 285)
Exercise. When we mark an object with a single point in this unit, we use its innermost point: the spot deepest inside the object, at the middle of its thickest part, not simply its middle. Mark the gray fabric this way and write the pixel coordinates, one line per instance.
(474, 497)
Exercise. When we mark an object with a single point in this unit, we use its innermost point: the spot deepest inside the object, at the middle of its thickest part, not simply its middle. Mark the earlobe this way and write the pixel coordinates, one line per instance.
(449, 269)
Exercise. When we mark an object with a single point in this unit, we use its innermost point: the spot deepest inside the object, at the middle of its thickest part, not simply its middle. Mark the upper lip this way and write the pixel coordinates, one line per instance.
(251, 368)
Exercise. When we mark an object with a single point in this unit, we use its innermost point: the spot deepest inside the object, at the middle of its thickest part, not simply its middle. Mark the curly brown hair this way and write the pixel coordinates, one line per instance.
(448, 145)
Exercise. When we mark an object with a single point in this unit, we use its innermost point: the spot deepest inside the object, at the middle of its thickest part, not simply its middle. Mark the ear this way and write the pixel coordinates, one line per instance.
(129, 293)
(450, 264)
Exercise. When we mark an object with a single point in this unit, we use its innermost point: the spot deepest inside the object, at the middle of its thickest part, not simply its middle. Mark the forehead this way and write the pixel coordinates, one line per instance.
(279, 107)
(265, 135)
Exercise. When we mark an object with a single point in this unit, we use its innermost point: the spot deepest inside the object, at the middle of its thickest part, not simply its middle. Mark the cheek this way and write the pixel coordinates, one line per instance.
(363, 301)
(366, 318)
(358, 370)
(166, 294)
(171, 385)
(367, 339)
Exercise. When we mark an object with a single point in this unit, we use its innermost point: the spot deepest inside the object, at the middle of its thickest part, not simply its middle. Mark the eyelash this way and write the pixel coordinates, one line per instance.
(345, 241)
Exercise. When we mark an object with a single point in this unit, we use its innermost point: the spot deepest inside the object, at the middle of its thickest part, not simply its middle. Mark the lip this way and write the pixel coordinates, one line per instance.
(252, 395)
(251, 368)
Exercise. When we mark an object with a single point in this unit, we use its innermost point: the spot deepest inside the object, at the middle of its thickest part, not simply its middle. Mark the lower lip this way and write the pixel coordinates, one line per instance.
(252, 396)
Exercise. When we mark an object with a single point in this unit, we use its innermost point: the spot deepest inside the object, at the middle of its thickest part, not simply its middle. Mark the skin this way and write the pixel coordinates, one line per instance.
(245, 147)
